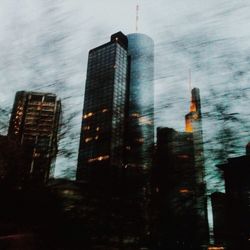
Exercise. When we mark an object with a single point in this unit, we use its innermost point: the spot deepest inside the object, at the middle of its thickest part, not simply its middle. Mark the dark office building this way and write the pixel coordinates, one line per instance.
(182, 222)
(112, 110)
(237, 204)
(140, 131)
(103, 121)
(119, 96)
(11, 167)
(220, 223)
(34, 124)
(179, 190)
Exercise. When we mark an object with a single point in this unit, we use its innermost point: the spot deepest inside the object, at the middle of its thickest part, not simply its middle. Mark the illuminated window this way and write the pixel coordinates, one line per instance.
(193, 106)
(88, 139)
(88, 115)
(184, 191)
(97, 137)
(99, 158)
(104, 110)
(189, 127)
(145, 121)
(135, 115)
(141, 140)
(216, 248)
(97, 129)
(86, 128)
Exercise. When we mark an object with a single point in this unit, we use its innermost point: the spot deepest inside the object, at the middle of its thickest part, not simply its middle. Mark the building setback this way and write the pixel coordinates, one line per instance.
(34, 124)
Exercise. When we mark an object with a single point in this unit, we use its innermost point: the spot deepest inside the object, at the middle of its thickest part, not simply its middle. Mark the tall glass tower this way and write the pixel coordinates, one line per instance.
(103, 120)
(140, 135)
(117, 132)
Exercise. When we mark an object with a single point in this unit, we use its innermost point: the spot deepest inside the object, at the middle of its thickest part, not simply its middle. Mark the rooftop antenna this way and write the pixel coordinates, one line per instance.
(137, 17)
(190, 80)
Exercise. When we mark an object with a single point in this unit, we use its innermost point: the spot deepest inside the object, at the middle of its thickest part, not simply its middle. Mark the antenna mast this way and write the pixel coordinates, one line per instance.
(137, 17)
(190, 80)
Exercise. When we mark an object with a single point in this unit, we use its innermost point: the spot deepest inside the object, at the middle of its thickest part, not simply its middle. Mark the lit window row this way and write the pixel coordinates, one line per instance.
(136, 115)
(99, 158)
(184, 191)
(145, 121)
(141, 140)
(89, 114)
(91, 138)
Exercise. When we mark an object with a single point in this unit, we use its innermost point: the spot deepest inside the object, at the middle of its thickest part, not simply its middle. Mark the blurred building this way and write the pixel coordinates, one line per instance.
(140, 124)
(179, 200)
(103, 120)
(11, 167)
(194, 125)
(117, 129)
(236, 204)
(34, 124)
(221, 227)
(179, 190)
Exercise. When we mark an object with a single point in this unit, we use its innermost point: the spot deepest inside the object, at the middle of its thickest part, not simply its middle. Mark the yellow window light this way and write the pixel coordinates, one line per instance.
(99, 158)
(145, 121)
(86, 128)
(184, 191)
(87, 115)
(136, 115)
(88, 139)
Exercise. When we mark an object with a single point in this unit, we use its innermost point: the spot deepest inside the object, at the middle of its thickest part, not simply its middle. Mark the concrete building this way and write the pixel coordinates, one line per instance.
(34, 124)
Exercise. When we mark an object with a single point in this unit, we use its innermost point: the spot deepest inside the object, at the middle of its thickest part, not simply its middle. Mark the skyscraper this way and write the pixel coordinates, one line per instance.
(178, 183)
(119, 96)
(194, 125)
(117, 129)
(140, 130)
(237, 202)
(103, 121)
(177, 193)
(34, 123)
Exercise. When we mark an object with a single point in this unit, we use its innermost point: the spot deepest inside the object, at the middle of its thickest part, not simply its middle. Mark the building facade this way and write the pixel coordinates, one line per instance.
(117, 129)
(140, 126)
(236, 204)
(179, 189)
(34, 124)
(103, 121)
(180, 203)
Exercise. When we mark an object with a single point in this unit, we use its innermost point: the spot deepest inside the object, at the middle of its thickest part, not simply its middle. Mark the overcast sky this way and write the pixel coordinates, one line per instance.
(44, 46)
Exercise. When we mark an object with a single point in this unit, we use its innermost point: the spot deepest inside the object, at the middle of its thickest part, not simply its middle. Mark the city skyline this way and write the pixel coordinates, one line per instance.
(53, 59)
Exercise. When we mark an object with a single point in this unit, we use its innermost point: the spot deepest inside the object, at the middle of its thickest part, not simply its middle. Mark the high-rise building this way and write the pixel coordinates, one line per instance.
(178, 184)
(118, 115)
(237, 202)
(103, 120)
(177, 195)
(34, 124)
(140, 126)
(117, 129)
(194, 125)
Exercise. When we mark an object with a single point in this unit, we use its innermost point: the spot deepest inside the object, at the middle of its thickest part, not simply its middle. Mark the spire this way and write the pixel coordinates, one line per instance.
(190, 80)
(137, 17)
